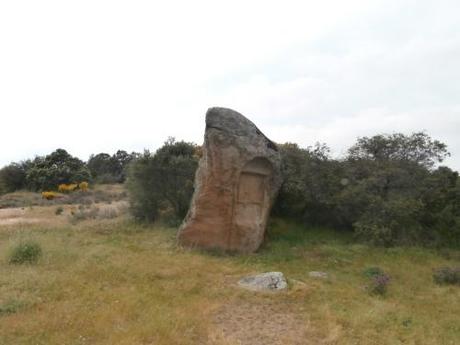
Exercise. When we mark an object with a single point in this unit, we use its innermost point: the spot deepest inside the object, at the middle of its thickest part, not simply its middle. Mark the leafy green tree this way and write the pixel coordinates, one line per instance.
(12, 177)
(100, 165)
(417, 148)
(441, 213)
(110, 169)
(311, 179)
(388, 176)
(161, 184)
(291, 201)
(46, 173)
(386, 190)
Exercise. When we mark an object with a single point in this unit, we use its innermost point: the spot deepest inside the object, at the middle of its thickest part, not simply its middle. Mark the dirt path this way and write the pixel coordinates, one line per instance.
(11, 216)
(261, 323)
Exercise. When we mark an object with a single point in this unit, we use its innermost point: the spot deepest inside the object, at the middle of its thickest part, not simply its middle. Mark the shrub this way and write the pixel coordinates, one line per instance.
(59, 167)
(83, 186)
(386, 190)
(447, 275)
(372, 272)
(162, 181)
(379, 280)
(25, 252)
(67, 188)
(10, 307)
(379, 284)
(310, 180)
(59, 211)
(49, 195)
(110, 169)
(12, 177)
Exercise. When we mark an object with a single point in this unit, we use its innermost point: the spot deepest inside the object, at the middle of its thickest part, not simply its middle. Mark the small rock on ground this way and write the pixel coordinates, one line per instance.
(270, 281)
(317, 274)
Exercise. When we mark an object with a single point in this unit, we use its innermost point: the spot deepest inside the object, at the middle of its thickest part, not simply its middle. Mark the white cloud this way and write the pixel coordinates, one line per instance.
(97, 76)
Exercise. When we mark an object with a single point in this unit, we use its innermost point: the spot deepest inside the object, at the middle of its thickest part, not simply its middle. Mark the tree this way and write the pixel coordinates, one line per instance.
(12, 177)
(311, 179)
(441, 200)
(385, 199)
(121, 160)
(161, 184)
(386, 190)
(59, 167)
(417, 148)
(110, 169)
(99, 165)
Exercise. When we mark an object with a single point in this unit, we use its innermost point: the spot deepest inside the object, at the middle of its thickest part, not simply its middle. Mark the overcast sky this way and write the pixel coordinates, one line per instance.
(97, 76)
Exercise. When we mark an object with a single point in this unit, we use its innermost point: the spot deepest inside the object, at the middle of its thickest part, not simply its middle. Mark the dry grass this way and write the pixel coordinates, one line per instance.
(21, 199)
(111, 281)
(97, 194)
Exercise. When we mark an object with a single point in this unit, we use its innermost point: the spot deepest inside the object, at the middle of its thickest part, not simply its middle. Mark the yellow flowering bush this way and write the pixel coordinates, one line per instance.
(48, 195)
(83, 186)
(67, 188)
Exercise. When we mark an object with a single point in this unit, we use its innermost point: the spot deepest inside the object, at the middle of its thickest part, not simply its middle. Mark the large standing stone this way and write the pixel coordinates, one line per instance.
(236, 183)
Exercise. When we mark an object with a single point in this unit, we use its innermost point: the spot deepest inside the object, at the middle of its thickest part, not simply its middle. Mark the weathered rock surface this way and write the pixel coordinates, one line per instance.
(236, 183)
(270, 281)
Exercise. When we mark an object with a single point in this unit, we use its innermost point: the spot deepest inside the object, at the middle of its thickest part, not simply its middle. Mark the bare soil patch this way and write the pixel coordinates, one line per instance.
(14, 216)
(261, 323)
(10, 213)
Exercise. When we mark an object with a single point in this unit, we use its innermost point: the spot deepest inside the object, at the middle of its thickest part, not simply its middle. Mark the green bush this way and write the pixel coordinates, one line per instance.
(386, 190)
(59, 167)
(12, 177)
(390, 222)
(162, 183)
(310, 180)
(25, 252)
(110, 169)
(379, 284)
(10, 307)
(372, 272)
(379, 280)
(447, 275)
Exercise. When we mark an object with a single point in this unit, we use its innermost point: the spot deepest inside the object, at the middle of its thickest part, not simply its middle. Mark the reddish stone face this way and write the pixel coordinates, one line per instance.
(235, 186)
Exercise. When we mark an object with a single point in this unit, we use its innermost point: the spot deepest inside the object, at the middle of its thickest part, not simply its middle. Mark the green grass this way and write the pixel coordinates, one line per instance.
(115, 282)
(9, 307)
(28, 252)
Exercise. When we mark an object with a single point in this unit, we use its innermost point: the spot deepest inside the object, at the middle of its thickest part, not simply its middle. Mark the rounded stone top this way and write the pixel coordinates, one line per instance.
(234, 123)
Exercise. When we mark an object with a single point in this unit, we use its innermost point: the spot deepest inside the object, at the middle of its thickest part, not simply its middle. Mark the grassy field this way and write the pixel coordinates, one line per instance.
(111, 281)
(97, 194)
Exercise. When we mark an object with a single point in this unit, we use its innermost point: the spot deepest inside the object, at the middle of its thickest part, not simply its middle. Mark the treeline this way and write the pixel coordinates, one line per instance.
(387, 189)
(45, 173)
